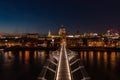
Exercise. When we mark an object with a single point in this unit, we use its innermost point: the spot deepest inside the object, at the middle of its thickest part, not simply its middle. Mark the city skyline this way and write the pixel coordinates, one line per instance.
(41, 16)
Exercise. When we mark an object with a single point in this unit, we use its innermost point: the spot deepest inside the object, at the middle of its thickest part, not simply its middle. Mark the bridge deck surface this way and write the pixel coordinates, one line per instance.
(63, 72)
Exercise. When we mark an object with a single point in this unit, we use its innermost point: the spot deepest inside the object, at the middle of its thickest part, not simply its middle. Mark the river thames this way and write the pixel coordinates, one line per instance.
(27, 65)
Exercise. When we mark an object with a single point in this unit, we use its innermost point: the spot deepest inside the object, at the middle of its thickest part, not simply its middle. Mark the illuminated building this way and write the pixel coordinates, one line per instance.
(62, 31)
(36, 35)
(49, 33)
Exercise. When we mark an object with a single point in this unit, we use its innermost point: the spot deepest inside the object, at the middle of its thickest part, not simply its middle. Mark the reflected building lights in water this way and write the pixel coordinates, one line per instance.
(113, 60)
(8, 58)
(98, 59)
(81, 55)
(91, 58)
(105, 58)
(85, 55)
(117, 57)
(107, 63)
(10, 54)
(35, 56)
(26, 56)
(20, 56)
(102, 59)
(41, 55)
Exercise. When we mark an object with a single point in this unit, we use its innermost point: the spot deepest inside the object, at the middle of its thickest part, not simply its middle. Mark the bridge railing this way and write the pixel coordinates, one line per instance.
(71, 62)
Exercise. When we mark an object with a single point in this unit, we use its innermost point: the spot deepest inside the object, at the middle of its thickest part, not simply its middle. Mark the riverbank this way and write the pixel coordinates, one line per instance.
(29, 48)
(94, 48)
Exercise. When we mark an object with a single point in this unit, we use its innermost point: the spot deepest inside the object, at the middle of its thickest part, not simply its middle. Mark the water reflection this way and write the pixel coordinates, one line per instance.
(91, 58)
(23, 56)
(105, 59)
(101, 58)
(20, 56)
(104, 63)
(35, 54)
(81, 55)
(27, 64)
(26, 57)
(8, 57)
(98, 59)
(35, 57)
(41, 56)
(113, 60)
(85, 55)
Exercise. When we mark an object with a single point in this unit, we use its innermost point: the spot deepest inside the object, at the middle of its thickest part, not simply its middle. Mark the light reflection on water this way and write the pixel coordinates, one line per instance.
(113, 60)
(91, 57)
(26, 65)
(21, 65)
(85, 55)
(105, 59)
(102, 65)
(26, 57)
(42, 56)
(20, 56)
(98, 59)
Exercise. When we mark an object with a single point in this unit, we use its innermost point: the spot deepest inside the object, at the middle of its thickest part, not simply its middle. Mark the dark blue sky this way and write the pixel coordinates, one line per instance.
(20, 16)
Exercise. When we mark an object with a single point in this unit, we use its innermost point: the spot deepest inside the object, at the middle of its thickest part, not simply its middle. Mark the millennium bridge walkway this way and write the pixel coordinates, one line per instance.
(63, 71)
(63, 66)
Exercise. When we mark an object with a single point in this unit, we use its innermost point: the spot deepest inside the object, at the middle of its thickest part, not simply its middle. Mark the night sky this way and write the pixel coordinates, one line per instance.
(23, 16)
